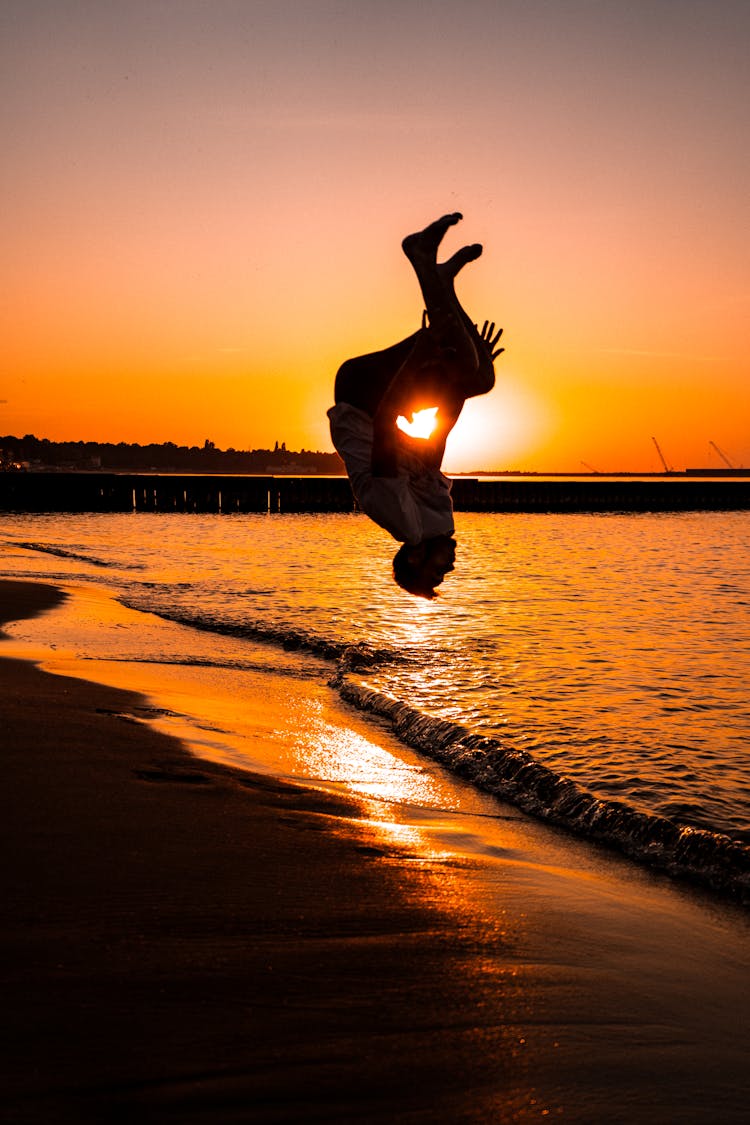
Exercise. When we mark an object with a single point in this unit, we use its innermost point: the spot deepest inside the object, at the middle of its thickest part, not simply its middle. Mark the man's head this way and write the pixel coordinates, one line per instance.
(419, 568)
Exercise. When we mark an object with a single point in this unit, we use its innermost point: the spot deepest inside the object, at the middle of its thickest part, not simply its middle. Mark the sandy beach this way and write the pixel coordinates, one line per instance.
(184, 941)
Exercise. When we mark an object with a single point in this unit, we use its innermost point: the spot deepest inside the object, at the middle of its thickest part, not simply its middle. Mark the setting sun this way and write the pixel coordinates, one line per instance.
(422, 424)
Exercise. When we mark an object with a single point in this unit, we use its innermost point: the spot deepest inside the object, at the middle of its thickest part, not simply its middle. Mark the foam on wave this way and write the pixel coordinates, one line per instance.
(708, 858)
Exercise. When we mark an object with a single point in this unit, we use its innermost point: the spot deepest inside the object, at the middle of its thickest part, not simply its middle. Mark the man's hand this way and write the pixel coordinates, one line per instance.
(489, 338)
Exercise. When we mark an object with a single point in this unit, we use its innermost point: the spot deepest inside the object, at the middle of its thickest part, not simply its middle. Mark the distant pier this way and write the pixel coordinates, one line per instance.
(142, 492)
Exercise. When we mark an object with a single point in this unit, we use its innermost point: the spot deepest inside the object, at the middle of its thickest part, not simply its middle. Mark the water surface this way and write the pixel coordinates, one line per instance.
(614, 649)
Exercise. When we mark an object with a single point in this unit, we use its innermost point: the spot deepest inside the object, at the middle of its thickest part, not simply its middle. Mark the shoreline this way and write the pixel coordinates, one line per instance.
(186, 941)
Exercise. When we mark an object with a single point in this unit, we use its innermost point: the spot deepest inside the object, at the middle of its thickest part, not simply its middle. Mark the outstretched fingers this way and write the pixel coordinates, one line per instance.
(490, 338)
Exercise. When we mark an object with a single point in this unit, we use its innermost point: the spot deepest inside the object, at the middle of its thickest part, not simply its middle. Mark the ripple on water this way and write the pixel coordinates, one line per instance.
(617, 646)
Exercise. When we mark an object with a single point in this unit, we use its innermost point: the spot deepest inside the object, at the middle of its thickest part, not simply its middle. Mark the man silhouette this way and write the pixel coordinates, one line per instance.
(396, 478)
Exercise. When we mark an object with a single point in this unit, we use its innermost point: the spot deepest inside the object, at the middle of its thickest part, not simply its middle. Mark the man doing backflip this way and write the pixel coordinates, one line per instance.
(396, 479)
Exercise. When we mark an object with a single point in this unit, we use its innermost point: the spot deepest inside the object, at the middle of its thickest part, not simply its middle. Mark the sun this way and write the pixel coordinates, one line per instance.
(503, 430)
(422, 423)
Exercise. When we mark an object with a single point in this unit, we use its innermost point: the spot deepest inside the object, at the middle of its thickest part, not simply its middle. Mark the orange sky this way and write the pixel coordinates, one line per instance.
(203, 205)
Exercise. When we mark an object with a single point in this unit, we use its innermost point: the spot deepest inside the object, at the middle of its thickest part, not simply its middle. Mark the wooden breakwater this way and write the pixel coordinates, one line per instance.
(123, 492)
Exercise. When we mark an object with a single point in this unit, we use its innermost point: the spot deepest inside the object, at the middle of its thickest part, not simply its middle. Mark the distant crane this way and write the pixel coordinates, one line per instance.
(661, 456)
(590, 468)
(723, 456)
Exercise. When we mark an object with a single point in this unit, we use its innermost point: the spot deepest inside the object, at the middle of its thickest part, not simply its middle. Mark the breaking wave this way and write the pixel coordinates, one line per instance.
(708, 858)
(705, 857)
(359, 657)
(64, 553)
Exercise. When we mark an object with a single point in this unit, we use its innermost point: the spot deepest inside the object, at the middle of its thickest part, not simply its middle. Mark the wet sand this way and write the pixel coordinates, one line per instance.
(186, 942)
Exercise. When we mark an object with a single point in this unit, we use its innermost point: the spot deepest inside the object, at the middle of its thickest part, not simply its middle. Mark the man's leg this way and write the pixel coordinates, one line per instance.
(442, 365)
(472, 365)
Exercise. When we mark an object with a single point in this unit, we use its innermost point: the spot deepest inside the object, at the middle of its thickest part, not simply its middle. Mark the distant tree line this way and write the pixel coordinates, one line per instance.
(41, 453)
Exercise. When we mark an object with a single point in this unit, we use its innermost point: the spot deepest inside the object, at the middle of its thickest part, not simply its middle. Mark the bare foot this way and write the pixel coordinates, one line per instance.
(457, 262)
(424, 244)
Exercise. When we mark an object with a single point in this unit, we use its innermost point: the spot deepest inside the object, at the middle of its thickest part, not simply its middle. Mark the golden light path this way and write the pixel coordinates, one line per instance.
(422, 424)
(294, 729)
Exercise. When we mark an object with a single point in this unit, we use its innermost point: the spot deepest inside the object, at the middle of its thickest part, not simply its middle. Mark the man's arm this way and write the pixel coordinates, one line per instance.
(481, 381)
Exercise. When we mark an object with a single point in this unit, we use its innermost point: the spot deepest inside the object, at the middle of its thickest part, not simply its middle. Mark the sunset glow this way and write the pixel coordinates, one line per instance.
(203, 215)
(422, 422)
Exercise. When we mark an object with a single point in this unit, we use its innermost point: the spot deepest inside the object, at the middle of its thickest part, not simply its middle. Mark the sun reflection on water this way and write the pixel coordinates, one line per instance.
(332, 753)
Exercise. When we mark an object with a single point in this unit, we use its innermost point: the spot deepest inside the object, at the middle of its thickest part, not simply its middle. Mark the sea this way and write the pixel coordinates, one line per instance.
(593, 670)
